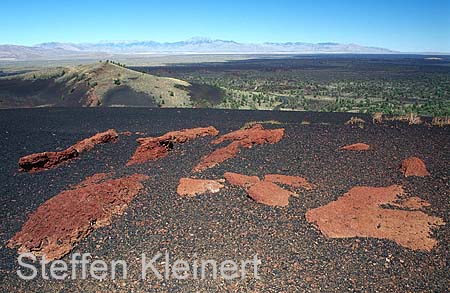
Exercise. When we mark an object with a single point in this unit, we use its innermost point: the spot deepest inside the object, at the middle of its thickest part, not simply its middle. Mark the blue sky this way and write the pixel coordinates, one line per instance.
(402, 25)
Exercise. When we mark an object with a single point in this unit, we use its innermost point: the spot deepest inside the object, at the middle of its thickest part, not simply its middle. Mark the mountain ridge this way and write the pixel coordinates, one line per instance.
(193, 45)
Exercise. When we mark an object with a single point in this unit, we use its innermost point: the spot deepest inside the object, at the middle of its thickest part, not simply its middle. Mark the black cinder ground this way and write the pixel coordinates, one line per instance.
(229, 225)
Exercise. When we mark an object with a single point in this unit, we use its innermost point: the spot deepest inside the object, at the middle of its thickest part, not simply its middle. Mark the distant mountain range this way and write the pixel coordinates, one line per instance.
(55, 50)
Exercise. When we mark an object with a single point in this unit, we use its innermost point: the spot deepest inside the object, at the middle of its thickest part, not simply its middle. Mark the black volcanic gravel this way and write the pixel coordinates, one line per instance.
(229, 225)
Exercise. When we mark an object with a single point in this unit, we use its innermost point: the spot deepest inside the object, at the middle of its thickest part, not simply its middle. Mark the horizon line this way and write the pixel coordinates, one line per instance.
(199, 38)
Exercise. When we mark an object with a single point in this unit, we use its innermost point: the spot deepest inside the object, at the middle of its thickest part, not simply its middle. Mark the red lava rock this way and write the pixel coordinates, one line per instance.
(153, 148)
(218, 156)
(254, 135)
(359, 213)
(241, 180)
(96, 178)
(191, 187)
(89, 143)
(48, 160)
(414, 166)
(266, 191)
(245, 138)
(269, 193)
(412, 203)
(293, 181)
(356, 147)
(126, 133)
(63, 220)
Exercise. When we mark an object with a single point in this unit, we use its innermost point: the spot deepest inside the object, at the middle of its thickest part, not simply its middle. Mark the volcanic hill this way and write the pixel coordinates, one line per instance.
(102, 84)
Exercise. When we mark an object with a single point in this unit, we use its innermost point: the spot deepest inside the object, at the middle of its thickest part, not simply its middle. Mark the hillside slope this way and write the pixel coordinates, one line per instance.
(93, 85)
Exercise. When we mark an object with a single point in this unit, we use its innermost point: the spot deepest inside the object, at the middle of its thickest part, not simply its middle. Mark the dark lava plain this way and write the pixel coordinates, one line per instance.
(229, 225)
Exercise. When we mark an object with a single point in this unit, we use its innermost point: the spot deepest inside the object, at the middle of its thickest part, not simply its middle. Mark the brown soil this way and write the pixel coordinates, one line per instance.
(191, 187)
(49, 160)
(414, 166)
(245, 138)
(359, 213)
(356, 147)
(153, 148)
(62, 221)
(92, 99)
(266, 191)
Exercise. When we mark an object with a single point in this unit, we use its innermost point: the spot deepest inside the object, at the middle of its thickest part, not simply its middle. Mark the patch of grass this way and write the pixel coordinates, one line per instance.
(250, 124)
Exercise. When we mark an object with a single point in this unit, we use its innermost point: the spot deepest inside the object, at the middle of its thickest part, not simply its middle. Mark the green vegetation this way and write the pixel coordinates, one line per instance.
(391, 85)
(115, 63)
(428, 96)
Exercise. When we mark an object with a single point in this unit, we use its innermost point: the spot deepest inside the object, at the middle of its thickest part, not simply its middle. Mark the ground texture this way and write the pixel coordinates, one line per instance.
(295, 253)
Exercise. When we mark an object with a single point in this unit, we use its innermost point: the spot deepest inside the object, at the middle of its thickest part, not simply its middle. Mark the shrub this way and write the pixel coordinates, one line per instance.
(377, 117)
(440, 121)
(250, 124)
(355, 120)
(411, 118)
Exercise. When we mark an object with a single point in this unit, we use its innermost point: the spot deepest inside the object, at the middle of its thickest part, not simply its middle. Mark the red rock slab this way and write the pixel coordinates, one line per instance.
(245, 138)
(55, 228)
(414, 166)
(181, 136)
(49, 160)
(153, 148)
(356, 147)
(126, 133)
(269, 193)
(359, 213)
(241, 180)
(191, 187)
(102, 137)
(46, 160)
(218, 156)
(254, 135)
(293, 181)
(96, 178)
(412, 203)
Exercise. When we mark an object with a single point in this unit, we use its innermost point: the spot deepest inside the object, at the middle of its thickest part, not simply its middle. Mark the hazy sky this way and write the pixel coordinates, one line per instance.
(395, 24)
